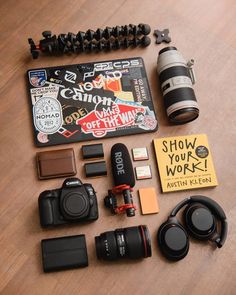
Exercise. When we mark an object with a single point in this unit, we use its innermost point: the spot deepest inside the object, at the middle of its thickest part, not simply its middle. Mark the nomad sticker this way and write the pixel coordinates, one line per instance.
(37, 78)
(47, 115)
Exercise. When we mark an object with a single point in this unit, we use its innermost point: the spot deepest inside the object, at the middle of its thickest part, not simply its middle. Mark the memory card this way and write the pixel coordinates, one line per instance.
(143, 172)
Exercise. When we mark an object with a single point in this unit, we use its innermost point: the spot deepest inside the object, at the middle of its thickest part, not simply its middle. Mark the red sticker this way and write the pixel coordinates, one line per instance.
(108, 118)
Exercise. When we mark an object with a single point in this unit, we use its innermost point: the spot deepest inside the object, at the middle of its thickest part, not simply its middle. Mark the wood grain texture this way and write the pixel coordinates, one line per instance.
(205, 30)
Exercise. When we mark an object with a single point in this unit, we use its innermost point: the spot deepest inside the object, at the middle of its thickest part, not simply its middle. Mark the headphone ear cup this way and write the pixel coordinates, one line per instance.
(173, 240)
(199, 221)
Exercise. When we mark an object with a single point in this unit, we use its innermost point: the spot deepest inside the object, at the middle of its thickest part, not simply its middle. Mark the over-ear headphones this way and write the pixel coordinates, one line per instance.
(200, 219)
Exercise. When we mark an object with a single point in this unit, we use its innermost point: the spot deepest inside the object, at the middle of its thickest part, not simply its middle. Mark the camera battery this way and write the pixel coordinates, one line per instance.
(64, 253)
(92, 151)
(143, 172)
(95, 169)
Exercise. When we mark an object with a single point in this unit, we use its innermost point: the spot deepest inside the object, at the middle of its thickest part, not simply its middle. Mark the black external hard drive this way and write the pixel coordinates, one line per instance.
(64, 253)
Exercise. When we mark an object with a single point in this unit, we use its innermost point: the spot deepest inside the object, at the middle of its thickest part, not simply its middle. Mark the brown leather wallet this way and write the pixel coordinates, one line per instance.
(56, 163)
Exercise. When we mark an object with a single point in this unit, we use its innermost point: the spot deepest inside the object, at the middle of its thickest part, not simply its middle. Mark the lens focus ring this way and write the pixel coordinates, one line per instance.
(131, 242)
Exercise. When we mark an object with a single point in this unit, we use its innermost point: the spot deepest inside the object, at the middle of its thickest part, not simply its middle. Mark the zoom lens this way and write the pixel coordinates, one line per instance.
(176, 79)
(130, 242)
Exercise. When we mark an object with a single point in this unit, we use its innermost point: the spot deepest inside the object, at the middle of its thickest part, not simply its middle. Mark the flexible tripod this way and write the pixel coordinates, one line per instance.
(100, 40)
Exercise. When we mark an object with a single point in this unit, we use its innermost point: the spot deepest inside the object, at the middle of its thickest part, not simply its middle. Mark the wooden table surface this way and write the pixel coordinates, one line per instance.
(205, 30)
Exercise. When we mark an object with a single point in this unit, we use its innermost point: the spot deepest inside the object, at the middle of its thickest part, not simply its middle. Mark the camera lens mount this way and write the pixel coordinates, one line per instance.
(75, 205)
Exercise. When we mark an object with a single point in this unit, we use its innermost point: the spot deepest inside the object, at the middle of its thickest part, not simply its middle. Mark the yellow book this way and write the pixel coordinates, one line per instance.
(184, 162)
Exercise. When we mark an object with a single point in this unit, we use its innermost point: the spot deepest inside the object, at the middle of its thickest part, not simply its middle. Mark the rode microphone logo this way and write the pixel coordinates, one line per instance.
(119, 163)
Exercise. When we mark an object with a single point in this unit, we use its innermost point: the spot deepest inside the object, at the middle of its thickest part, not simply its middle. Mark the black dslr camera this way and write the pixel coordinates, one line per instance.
(73, 202)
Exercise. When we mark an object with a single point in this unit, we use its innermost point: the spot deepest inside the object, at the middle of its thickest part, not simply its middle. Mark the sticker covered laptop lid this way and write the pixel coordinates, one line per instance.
(90, 101)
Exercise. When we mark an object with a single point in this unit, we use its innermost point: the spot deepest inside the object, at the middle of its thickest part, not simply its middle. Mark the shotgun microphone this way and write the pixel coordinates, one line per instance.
(124, 180)
(122, 168)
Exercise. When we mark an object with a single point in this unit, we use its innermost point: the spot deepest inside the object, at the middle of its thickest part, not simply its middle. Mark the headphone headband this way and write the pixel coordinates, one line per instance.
(179, 206)
(211, 204)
